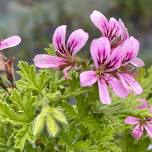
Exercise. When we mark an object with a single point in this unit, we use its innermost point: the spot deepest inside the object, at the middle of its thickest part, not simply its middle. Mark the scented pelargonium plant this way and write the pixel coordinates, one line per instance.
(65, 102)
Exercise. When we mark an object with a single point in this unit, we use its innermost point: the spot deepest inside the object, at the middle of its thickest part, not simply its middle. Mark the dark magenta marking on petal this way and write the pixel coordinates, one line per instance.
(111, 30)
(100, 62)
(105, 29)
(70, 44)
(104, 57)
(128, 56)
(99, 58)
(73, 43)
(112, 33)
(60, 46)
(112, 63)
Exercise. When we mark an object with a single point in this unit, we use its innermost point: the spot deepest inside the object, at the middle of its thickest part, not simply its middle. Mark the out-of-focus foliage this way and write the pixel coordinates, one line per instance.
(35, 21)
(138, 12)
(46, 113)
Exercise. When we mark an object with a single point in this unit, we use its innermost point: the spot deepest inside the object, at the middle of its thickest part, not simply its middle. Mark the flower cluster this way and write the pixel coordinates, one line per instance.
(114, 56)
(65, 53)
(141, 125)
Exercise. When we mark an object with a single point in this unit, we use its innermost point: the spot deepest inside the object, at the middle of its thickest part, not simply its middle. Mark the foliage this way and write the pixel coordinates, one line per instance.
(46, 113)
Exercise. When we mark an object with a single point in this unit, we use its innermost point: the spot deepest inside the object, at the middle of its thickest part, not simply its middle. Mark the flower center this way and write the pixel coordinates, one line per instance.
(143, 121)
(70, 59)
(100, 70)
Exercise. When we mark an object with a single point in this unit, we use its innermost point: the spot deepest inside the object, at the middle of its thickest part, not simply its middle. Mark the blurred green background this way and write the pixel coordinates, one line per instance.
(35, 21)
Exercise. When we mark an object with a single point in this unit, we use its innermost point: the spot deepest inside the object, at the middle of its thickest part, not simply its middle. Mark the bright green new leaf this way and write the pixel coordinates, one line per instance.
(58, 115)
(39, 122)
(52, 126)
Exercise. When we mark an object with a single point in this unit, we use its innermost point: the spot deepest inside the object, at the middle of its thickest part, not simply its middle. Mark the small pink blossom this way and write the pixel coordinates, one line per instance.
(118, 35)
(106, 63)
(111, 68)
(65, 53)
(9, 42)
(130, 49)
(114, 30)
(140, 125)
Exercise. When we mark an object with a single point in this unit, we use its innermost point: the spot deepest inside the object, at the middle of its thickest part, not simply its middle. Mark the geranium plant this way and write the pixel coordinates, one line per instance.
(65, 102)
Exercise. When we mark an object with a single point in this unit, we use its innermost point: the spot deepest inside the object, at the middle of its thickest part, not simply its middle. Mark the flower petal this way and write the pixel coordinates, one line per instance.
(88, 78)
(125, 34)
(103, 92)
(130, 83)
(100, 51)
(58, 39)
(137, 131)
(130, 49)
(76, 41)
(131, 120)
(114, 30)
(118, 88)
(137, 62)
(100, 21)
(114, 60)
(148, 128)
(47, 61)
(10, 42)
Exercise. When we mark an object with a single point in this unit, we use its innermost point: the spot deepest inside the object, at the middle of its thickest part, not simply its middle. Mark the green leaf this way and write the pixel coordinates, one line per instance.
(52, 126)
(4, 146)
(50, 50)
(39, 122)
(57, 114)
(30, 79)
(7, 113)
(85, 146)
(24, 102)
(69, 110)
(22, 136)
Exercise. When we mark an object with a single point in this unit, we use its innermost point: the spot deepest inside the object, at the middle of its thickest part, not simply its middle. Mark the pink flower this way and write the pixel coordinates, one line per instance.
(114, 30)
(140, 125)
(117, 33)
(65, 57)
(10, 42)
(113, 67)
(106, 63)
(130, 49)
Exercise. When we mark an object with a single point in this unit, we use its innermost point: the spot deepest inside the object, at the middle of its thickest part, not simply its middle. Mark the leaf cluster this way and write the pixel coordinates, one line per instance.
(46, 113)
